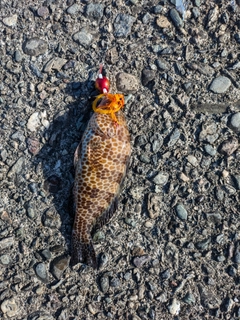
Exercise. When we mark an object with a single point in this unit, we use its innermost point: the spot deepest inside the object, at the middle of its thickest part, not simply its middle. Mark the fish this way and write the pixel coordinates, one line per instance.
(101, 160)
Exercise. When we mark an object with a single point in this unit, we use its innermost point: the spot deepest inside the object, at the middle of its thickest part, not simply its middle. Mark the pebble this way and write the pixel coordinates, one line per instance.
(162, 64)
(174, 307)
(210, 150)
(189, 299)
(147, 76)
(30, 211)
(174, 137)
(35, 47)
(203, 244)
(104, 283)
(59, 265)
(229, 146)
(236, 179)
(51, 219)
(234, 123)
(17, 167)
(147, 18)
(33, 122)
(126, 83)
(163, 22)
(54, 64)
(193, 160)
(237, 254)
(53, 184)
(43, 12)
(5, 259)
(177, 20)
(74, 9)
(103, 260)
(83, 37)
(33, 145)
(181, 212)
(220, 84)
(10, 21)
(209, 133)
(94, 11)
(42, 272)
(214, 217)
(140, 261)
(161, 178)
(98, 236)
(46, 254)
(10, 308)
(92, 309)
(196, 12)
(123, 25)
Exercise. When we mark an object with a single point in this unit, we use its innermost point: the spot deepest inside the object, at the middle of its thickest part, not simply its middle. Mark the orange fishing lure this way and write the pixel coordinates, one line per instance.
(101, 161)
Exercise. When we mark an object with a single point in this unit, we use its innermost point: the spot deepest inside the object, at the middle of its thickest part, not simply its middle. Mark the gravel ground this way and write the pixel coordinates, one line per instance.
(172, 251)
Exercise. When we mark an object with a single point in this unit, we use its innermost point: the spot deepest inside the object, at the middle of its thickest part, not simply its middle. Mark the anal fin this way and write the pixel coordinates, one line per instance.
(107, 215)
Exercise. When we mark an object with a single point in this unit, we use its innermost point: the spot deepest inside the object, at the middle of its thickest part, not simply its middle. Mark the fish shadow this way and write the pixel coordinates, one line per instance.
(56, 157)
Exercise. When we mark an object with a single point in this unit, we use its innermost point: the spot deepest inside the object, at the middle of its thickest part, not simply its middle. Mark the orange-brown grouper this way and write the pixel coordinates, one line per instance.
(101, 161)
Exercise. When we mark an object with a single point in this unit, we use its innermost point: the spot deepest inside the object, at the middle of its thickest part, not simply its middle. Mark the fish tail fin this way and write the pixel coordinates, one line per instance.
(83, 252)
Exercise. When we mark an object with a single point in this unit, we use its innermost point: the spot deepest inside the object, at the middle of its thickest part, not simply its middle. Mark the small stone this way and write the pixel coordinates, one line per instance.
(140, 261)
(10, 308)
(94, 11)
(162, 64)
(209, 133)
(153, 205)
(189, 299)
(147, 76)
(174, 137)
(10, 21)
(33, 122)
(98, 236)
(46, 254)
(236, 179)
(174, 307)
(147, 18)
(181, 212)
(234, 123)
(17, 56)
(229, 146)
(148, 224)
(30, 211)
(59, 265)
(237, 254)
(103, 260)
(74, 9)
(17, 167)
(54, 64)
(193, 160)
(92, 309)
(210, 150)
(163, 22)
(126, 83)
(203, 244)
(183, 177)
(196, 12)
(161, 178)
(177, 21)
(214, 217)
(35, 47)
(220, 84)
(33, 145)
(123, 24)
(43, 12)
(104, 283)
(51, 219)
(83, 37)
(41, 272)
(157, 9)
(5, 259)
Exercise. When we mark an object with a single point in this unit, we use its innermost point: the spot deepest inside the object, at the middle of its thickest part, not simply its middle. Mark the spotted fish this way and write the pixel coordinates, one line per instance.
(101, 161)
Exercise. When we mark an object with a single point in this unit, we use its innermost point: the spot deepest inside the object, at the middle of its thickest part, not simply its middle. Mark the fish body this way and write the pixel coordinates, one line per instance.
(101, 161)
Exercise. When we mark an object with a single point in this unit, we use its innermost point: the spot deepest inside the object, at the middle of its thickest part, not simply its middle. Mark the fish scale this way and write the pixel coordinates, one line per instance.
(101, 161)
